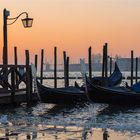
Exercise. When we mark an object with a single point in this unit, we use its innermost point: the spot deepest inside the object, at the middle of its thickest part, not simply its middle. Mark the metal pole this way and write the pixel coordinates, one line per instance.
(5, 49)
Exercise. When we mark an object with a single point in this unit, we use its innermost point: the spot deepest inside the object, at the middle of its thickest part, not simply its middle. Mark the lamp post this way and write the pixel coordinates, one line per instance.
(27, 22)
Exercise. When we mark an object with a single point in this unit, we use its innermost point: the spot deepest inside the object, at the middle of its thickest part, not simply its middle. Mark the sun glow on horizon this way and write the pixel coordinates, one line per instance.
(73, 26)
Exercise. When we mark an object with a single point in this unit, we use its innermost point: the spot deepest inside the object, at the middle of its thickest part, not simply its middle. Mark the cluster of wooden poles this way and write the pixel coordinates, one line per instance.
(105, 65)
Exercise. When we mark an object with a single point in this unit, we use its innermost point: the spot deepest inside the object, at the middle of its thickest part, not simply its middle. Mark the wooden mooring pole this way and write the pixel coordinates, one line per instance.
(67, 71)
(89, 62)
(106, 59)
(28, 78)
(12, 84)
(55, 67)
(136, 70)
(103, 62)
(41, 69)
(15, 55)
(65, 68)
(105, 135)
(16, 61)
(132, 63)
(110, 65)
(36, 57)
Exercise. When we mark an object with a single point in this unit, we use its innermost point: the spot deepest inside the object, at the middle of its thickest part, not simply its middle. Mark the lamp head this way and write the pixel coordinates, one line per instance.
(27, 22)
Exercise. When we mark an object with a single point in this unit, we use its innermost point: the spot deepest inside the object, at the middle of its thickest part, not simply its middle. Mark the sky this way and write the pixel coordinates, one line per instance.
(72, 26)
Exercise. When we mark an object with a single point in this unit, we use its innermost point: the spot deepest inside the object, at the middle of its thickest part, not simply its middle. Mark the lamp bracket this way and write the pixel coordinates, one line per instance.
(16, 18)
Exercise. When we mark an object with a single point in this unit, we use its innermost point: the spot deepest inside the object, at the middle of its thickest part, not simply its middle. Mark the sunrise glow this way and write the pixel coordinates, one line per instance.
(73, 26)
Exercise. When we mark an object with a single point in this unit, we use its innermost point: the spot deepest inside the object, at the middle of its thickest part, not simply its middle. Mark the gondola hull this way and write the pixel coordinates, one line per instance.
(68, 95)
(112, 95)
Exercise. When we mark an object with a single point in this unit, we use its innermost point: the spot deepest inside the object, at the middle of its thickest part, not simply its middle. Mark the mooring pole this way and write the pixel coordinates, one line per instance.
(132, 63)
(36, 57)
(15, 55)
(65, 69)
(106, 59)
(55, 67)
(28, 79)
(41, 69)
(105, 135)
(16, 63)
(136, 70)
(110, 65)
(103, 62)
(89, 62)
(13, 84)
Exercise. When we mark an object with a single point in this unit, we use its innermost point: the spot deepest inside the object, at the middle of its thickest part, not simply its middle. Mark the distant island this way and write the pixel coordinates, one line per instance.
(124, 64)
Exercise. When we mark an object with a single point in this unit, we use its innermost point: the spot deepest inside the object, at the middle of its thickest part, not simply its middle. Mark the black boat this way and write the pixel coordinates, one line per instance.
(112, 95)
(114, 79)
(72, 94)
(62, 95)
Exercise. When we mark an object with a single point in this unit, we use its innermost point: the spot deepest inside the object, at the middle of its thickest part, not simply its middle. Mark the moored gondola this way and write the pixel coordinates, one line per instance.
(112, 95)
(73, 94)
(62, 95)
(114, 79)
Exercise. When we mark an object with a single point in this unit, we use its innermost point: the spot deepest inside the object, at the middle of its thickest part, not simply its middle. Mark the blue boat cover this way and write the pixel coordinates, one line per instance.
(136, 87)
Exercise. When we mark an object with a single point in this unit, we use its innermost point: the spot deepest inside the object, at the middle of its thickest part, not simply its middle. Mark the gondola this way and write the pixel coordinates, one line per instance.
(114, 79)
(112, 95)
(72, 94)
(62, 95)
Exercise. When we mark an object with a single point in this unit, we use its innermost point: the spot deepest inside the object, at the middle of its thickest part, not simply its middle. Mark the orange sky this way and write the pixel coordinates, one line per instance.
(73, 25)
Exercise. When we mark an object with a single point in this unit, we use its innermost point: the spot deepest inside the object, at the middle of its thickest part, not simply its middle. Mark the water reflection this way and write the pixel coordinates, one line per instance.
(79, 122)
(52, 132)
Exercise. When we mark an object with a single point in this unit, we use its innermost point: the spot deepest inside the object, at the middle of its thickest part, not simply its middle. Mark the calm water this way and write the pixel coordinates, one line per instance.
(77, 122)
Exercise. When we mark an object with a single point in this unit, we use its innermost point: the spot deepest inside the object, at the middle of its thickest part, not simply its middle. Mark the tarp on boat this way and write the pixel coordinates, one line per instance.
(136, 87)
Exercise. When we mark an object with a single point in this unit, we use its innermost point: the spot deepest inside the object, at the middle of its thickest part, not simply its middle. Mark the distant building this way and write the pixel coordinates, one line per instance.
(75, 67)
(47, 67)
(123, 63)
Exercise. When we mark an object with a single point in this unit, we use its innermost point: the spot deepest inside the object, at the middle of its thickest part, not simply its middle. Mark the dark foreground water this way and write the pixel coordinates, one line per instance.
(72, 122)
(84, 121)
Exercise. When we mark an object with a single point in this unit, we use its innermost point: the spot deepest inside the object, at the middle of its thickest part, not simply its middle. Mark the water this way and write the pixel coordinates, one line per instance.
(78, 122)
(75, 122)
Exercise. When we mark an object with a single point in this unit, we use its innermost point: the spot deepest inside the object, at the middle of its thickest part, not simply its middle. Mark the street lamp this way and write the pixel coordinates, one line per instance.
(27, 22)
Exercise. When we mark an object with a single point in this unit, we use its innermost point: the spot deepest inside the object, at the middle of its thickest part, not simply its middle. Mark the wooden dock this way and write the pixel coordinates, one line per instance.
(16, 84)
(20, 97)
